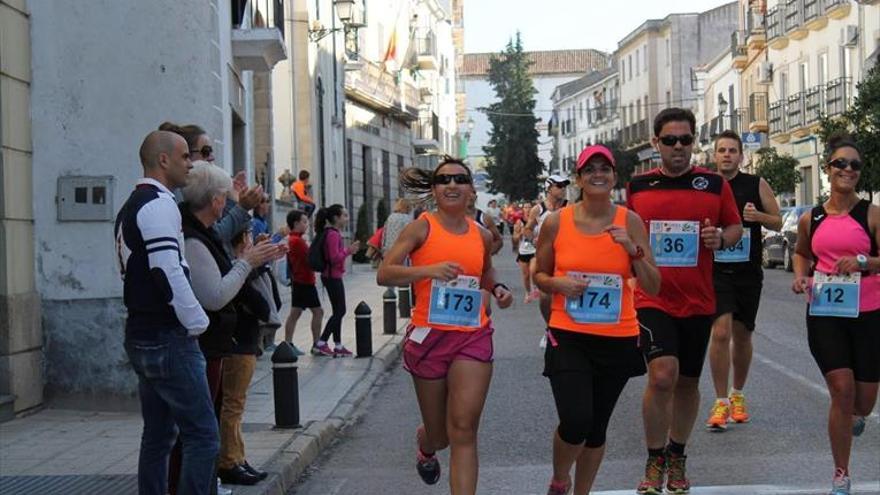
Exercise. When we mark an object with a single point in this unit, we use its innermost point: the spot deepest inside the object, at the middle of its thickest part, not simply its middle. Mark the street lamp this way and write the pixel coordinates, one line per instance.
(722, 105)
(345, 12)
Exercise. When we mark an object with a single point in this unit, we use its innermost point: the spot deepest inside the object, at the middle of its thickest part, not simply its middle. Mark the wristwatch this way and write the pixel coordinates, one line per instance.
(862, 260)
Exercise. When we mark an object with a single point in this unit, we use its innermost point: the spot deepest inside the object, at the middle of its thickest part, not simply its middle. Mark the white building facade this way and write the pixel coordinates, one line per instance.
(191, 61)
(585, 113)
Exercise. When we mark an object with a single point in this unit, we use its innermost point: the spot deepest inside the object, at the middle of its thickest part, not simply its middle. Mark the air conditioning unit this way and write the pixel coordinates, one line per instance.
(849, 35)
(765, 73)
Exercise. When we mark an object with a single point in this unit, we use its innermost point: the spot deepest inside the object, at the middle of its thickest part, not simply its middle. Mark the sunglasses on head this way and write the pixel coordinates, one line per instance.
(685, 140)
(206, 151)
(842, 163)
(560, 185)
(445, 179)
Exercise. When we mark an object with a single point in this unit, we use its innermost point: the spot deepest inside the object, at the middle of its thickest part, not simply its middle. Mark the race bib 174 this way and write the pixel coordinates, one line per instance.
(600, 301)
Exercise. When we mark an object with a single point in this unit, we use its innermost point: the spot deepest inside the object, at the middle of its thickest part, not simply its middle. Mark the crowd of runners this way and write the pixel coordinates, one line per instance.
(628, 289)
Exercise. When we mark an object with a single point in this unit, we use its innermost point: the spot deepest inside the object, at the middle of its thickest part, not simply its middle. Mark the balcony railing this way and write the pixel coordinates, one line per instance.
(262, 14)
(776, 112)
(813, 9)
(738, 48)
(814, 104)
(754, 22)
(757, 107)
(795, 111)
(426, 51)
(775, 23)
(794, 15)
(837, 96)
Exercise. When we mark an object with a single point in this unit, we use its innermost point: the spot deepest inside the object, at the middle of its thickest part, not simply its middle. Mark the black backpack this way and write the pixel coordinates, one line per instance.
(317, 260)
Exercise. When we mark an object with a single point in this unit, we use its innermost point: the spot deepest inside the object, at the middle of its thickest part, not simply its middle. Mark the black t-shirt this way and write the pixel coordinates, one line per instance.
(746, 189)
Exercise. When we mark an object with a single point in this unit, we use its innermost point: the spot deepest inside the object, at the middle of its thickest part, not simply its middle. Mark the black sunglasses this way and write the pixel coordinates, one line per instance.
(685, 140)
(842, 163)
(445, 179)
(206, 151)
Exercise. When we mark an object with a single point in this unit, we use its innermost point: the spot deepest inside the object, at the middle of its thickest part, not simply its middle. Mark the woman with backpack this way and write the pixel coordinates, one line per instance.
(329, 222)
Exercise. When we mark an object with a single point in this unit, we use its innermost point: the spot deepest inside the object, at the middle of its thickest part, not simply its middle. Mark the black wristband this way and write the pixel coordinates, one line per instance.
(499, 284)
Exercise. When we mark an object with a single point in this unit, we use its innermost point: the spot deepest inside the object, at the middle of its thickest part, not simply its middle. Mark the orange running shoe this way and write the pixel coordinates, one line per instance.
(717, 421)
(738, 411)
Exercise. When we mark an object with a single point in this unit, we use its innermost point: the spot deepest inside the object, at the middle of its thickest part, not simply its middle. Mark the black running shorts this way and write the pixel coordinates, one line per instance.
(852, 343)
(738, 291)
(684, 338)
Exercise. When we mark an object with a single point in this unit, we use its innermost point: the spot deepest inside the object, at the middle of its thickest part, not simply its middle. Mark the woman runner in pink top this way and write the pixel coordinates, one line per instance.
(836, 265)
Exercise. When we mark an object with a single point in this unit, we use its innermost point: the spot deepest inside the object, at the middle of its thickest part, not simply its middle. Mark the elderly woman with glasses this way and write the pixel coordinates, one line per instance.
(218, 281)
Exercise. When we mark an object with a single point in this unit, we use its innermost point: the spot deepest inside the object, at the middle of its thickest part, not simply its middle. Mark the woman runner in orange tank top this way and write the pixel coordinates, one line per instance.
(448, 347)
(587, 256)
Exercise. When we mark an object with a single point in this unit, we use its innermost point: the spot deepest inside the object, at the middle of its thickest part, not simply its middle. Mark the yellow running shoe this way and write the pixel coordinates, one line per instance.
(738, 412)
(717, 421)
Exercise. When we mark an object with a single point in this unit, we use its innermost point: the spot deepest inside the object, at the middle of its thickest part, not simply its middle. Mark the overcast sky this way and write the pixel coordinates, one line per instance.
(560, 24)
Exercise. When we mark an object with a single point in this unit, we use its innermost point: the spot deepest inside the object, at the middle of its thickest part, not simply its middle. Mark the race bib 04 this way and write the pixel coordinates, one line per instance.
(675, 243)
(739, 252)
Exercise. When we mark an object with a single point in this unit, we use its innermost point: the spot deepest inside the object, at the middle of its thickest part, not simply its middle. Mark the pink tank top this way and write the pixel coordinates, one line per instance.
(841, 235)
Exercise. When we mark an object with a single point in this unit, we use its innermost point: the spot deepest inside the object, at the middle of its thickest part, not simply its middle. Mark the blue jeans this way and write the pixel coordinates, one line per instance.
(174, 397)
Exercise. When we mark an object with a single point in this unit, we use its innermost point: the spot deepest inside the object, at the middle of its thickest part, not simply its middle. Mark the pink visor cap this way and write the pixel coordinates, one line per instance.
(593, 150)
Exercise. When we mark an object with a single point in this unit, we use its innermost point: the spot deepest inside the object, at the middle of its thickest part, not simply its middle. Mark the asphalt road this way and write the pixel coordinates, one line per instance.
(784, 449)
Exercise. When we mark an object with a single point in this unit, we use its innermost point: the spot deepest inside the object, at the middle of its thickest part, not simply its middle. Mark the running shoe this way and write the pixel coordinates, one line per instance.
(717, 421)
(655, 470)
(340, 351)
(559, 488)
(427, 466)
(534, 295)
(322, 350)
(738, 411)
(858, 425)
(840, 483)
(676, 475)
(296, 350)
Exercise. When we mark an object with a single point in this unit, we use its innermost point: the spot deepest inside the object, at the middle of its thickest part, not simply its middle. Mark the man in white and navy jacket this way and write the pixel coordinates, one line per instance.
(164, 322)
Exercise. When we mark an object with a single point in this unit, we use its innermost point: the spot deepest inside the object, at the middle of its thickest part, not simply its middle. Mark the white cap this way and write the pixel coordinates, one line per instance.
(558, 179)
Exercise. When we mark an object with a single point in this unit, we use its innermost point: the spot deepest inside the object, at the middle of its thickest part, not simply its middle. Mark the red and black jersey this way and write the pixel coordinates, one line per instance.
(694, 196)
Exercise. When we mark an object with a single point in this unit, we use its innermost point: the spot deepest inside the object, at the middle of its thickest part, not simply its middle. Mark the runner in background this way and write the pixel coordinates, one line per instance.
(836, 265)
(556, 186)
(738, 278)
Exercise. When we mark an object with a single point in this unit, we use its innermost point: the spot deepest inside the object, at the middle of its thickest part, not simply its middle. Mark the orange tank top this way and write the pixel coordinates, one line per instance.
(441, 245)
(596, 255)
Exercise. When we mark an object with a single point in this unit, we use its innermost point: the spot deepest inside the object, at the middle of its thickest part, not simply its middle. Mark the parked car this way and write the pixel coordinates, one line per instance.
(779, 246)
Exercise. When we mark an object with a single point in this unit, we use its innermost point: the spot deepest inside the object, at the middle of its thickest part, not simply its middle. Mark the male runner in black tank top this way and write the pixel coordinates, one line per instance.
(738, 278)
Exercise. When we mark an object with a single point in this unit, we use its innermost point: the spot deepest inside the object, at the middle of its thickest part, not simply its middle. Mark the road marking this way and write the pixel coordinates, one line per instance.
(871, 487)
(800, 378)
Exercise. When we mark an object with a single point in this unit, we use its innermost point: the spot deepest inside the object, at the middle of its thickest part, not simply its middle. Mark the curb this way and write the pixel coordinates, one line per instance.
(306, 444)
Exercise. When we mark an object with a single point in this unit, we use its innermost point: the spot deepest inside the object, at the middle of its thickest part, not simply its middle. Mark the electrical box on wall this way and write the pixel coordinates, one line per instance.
(85, 198)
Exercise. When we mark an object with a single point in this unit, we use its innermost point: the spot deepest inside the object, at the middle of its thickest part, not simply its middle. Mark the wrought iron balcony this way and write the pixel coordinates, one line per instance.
(258, 34)
(795, 111)
(837, 95)
(776, 112)
(794, 19)
(426, 51)
(776, 27)
(814, 104)
(758, 112)
(738, 49)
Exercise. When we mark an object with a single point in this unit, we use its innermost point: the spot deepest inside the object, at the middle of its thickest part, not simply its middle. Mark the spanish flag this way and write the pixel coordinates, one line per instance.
(391, 51)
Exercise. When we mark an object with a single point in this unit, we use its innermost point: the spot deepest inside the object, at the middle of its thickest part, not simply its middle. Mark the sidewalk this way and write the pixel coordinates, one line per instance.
(59, 451)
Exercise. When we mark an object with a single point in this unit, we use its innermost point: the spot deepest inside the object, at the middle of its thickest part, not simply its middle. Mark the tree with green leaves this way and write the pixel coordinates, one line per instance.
(512, 151)
(780, 171)
(862, 121)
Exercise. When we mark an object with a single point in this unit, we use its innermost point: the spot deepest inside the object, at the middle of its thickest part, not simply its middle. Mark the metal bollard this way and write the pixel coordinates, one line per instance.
(285, 384)
(363, 330)
(389, 311)
(403, 302)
